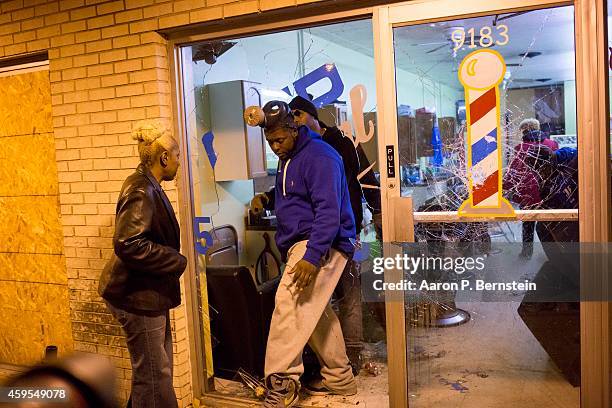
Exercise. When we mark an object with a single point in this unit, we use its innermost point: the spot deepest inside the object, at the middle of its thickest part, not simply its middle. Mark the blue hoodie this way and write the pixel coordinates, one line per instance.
(312, 201)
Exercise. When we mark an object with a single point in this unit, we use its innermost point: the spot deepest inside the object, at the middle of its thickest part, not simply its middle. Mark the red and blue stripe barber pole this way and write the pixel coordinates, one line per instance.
(480, 73)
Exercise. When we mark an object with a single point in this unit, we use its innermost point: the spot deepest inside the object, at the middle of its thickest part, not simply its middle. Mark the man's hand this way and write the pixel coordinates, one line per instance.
(257, 203)
(303, 273)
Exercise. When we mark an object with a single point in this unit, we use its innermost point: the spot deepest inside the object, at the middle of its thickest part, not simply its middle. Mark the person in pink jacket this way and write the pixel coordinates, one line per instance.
(520, 182)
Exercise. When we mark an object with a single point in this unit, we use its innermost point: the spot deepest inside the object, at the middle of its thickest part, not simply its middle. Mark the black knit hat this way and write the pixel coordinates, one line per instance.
(303, 104)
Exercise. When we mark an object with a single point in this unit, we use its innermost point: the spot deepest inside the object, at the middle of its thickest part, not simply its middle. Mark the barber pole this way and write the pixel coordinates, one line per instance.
(480, 73)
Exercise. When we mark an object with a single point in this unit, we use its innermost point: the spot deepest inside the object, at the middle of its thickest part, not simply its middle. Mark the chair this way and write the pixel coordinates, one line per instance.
(240, 311)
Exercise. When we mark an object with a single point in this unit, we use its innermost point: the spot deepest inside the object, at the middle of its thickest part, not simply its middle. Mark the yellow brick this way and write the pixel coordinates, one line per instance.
(86, 232)
(55, 76)
(154, 62)
(79, 96)
(114, 80)
(15, 49)
(84, 209)
(127, 16)
(57, 18)
(74, 73)
(79, 165)
(70, 4)
(30, 24)
(241, 8)
(143, 100)
(70, 50)
(97, 198)
(130, 4)
(62, 40)
(22, 14)
(129, 90)
(79, 142)
(58, 64)
(116, 103)
(74, 27)
(141, 26)
(11, 5)
(127, 41)
(111, 56)
(117, 127)
(208, 14)
(111, 7)
(147, 75)
(77, 120)
(58, 121)
(120, 151)
(131, 114)
(65, 132)
(153, 37)
(67, 155)
(174, 21)
(46, 9)
(10, 28)
(154, 112)
(116, 31)
(74, 219)
(88, 83)
(89, 130)
(89, 35)
(83, 13)
(103, 93)
(276, 4)
(38, 45)
(87, 107)
(67, 109)
(92, 153)
(6, 40)
(187, 5)
(85, 60)
(23, 37)
(103, 21)
(106, 164)
(99, 70)
(126, 66)
(146, 51)
(103, 117)
(97, 46)
(105, 140)
(157, 10)
(157, 88)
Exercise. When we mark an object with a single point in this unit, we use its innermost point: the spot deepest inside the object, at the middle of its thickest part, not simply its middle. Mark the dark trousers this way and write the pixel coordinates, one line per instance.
(348, 300)
(528, 231)
(149, 343)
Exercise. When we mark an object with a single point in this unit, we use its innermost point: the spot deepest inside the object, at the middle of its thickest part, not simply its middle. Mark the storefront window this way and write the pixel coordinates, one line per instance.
(470, 141)
(231, 162)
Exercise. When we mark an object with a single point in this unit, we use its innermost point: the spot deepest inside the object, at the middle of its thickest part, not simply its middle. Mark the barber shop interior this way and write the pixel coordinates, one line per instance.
(480, 352)
(328, 153)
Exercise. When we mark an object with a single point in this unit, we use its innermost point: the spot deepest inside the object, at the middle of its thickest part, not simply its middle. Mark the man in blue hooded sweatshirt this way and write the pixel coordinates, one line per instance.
(315, 235)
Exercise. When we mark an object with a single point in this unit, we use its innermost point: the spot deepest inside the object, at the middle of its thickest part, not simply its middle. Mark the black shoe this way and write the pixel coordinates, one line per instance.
(282, 392)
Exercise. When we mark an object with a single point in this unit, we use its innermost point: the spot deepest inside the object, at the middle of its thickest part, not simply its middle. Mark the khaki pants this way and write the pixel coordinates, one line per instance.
(307, 317)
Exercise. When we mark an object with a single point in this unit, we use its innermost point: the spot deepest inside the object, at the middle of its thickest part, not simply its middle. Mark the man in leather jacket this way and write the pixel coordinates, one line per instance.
(140, 283)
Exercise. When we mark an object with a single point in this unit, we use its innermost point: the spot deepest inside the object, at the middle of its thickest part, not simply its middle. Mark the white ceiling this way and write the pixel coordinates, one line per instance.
(548, 31)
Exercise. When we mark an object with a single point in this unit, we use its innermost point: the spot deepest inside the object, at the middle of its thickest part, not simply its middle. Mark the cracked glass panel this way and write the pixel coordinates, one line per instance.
(485, 353)
(230, 163)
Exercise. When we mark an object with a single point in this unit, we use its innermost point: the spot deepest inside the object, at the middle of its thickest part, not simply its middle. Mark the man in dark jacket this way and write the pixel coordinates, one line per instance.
(315, 235)
(140, 283)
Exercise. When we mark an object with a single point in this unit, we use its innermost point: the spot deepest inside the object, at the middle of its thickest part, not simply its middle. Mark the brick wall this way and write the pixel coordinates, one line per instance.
(108, 69)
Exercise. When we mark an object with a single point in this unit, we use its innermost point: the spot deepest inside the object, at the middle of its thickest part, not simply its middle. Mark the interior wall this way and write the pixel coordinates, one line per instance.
(34, 295)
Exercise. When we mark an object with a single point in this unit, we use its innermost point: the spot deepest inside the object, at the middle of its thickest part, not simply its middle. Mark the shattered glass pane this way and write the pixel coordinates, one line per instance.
(273, 67)
(490, 354)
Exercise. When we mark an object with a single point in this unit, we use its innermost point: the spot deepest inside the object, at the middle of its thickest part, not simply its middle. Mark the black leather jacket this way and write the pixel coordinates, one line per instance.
(143, 273)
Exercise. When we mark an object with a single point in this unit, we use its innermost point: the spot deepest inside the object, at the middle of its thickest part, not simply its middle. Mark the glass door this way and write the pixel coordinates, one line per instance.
(478, 130)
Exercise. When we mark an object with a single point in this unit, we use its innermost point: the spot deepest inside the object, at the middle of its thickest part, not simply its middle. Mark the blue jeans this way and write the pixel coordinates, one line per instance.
(149, 343)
